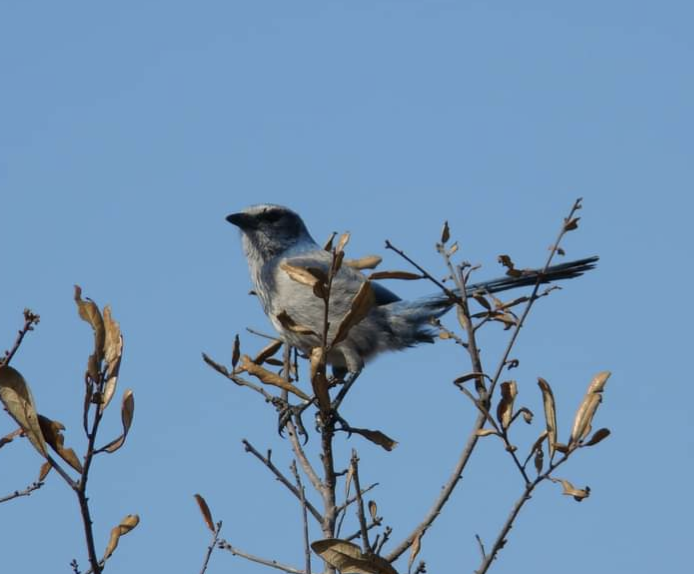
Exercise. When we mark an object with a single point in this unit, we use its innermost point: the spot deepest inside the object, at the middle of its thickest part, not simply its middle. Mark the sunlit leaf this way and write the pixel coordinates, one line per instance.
(445, 233)
(267, 352)
(570, 490)
(586, 410)
(342, 242)
(550, 414)
(19, 402)
(373, 510)
(319, 380)
(368, 262)
(348, 558)
(289, 324)
(376, 437)
(44, 470)
(405, 275)
(362, 303)
(328, 245)
(504, 411)
(205, 511)
(52, 432)
(125, 526)
(598, 436)
(127, 414)
(414, 550)
(486, 432)
(90, 313)
(269, 378)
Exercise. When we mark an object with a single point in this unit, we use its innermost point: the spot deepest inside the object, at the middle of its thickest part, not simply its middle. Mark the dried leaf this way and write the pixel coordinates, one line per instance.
(289, 324)
(348, 558)
(368, 262)
(269, 378)
(90, 313)
(205, 511)
(468, 377)
(319, 380)
(267, 352)
(560, 251)
(127, 413)
(550, 414)
(504, 411)
(125, 526)
(16, 395)
(113, 351)
(571, 224)
(477, 296)
(328, 245)
(453, 250)
(444, 335)
(44, 470)
(414, 550)
(539, 460)
(348, 480)
(376, 437)
(52, 432)
(537, 445)
(511, 270)
(486, 432)
(445, 233)
(586, 410)
(512, 364)
(527, 414)
(373, 510)
(599, 436)
(362, 303)
(342, 242)
(570, 490)
(405, 275)
(236, 351)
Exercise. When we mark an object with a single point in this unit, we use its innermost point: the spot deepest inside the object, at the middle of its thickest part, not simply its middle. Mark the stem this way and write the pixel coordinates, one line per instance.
(211, 547)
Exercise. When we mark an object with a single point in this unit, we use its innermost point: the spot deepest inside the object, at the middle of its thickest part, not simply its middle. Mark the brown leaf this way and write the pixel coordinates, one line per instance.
(376, 437)
(90, 313)
(289, 324)
(113, 351)
(537, 445)
(414, 550)
(236, 351)
(453, 250)
(445, 233)
(267, 352)
(468, 377)
(125, 526)
(362, 303)
(52, 432)
(319, 380)
(126, 415)
(550, 414)
(16, 395)
(368, 262)
(405, 275)
(373, 510)
(348, 479)
(44, 470)
(348, 557)
(511, 270)
(205, 511)
(342, 242)
(586, 410)
(269, 378)
(539, 460)
(571, 224)
(328, 245)
(527, 414)
(477, 296)
(486, 432)
(504, 411)
(599, 436)
(570, 490)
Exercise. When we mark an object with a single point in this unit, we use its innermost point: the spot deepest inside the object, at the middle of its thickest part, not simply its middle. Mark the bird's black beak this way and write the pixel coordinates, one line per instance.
(242, 220)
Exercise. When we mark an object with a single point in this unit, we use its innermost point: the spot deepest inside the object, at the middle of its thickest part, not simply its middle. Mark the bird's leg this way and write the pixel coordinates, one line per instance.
(288, 412)
(349, 380)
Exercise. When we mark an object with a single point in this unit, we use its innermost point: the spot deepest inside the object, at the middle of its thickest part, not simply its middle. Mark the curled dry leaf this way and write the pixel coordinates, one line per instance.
(267, 352)
(90, 313)
(486, 432)
(348, 557)
(288, 323)
(504, 411)
(550, 414)
(405, 275)
(16, 395)
(527, 414)
(113, 351)
(599, 436)
(571, 224)
(205, 511)
(236, 352)
(342, 242)
(511, 270)
(125, 526)
(368, 262)
(362, 303)
(539, 460)
(376, 437)
(319, 380)
(468, 377)
(586, 410)
(414, 550)
(570, 490)
(44, 470)
(126, 415)
(348, 480)
(373, 509)
(269, 378)
(52, 432)
(314, 278)
(445, 232)
(481, 299)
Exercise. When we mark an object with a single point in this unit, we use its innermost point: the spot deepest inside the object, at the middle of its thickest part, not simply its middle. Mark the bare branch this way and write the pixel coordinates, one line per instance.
(224, 545)
(26, 492)
(304, 516)
(30, 319)
(212, 546)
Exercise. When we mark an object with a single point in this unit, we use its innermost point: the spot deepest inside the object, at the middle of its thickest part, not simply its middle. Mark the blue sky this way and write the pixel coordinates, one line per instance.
(130, 130)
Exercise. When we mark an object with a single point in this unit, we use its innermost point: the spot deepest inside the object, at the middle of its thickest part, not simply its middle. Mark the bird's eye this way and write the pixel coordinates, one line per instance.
(272, 216)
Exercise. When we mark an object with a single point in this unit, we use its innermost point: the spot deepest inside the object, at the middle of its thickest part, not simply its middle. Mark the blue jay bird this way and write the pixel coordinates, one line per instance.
(273, 235)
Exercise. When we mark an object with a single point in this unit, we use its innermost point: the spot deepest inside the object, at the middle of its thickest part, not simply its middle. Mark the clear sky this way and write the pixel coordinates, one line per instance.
(129, 130)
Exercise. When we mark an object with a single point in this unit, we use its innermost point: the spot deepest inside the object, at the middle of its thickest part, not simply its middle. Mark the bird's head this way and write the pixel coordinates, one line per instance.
(269, 230)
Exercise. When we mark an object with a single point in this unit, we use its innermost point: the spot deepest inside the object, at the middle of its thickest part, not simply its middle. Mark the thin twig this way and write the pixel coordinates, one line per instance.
(26, 492)
(30, 319)
(240, 381)
(360, 504)
(304, 516)
(224, 545)
(267, 461)
(358, 534)
(212, 546)
(481, 545)
(353, 499)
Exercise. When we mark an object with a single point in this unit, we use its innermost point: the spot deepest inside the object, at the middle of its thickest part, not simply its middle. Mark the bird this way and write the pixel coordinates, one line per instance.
(274, 236)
